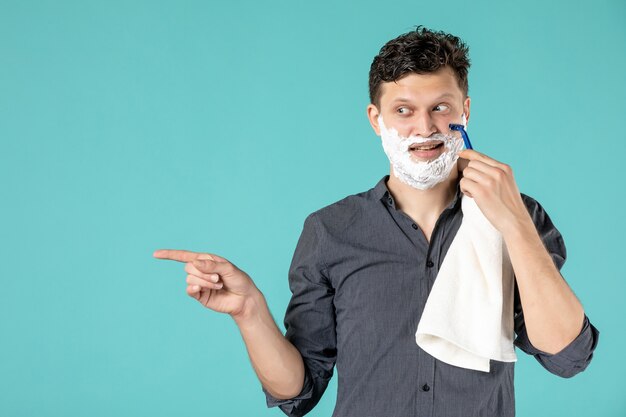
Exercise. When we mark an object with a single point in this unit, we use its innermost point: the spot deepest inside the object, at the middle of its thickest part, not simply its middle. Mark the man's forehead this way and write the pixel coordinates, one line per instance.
(417, 87)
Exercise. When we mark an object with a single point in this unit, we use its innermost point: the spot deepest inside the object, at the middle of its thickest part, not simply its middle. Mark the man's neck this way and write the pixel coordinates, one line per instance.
(424, 206)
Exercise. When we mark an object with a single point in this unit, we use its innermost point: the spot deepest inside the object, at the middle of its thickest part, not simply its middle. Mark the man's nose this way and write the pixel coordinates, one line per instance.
(423, 125)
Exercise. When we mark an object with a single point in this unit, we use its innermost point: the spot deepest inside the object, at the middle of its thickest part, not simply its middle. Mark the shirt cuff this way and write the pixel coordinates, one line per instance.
(572, 359)
(288, 405)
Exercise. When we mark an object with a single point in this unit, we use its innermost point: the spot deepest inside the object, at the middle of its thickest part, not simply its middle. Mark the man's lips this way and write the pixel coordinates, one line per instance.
(425, 146)
(426, 150)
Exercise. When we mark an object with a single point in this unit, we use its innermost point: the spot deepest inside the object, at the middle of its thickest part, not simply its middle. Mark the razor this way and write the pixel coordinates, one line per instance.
(461, 128)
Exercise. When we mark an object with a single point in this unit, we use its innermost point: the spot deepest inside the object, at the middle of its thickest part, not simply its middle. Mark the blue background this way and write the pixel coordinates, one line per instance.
(128, 126)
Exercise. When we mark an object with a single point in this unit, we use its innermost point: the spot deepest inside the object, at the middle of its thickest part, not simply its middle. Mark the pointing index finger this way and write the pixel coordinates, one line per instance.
(175, 255)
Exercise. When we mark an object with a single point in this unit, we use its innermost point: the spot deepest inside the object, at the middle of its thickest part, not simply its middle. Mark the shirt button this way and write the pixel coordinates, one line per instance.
(390, 201)
(425, 387)
(414, 226)
(430, 264)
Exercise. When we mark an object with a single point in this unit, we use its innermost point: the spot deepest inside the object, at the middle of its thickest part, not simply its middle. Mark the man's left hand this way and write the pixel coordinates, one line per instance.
(491, 184)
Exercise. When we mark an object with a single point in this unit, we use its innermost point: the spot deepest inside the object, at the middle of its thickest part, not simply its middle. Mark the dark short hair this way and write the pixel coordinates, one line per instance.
(419, 51)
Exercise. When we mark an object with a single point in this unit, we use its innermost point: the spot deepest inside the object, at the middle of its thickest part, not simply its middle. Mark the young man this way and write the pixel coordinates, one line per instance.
(364, 266)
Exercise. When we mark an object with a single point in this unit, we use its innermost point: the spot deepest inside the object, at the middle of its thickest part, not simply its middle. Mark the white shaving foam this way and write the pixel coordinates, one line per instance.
(419, 174)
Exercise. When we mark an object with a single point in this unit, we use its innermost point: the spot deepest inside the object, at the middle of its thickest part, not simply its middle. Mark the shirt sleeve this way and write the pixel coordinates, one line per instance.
(309, 321)
(576, 356)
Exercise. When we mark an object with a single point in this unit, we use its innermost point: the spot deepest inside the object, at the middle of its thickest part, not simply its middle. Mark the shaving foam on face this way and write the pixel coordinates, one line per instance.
(419, 174)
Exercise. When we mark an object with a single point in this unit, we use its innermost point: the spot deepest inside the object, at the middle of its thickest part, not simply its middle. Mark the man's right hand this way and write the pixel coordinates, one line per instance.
(221, 286)
(215, 282)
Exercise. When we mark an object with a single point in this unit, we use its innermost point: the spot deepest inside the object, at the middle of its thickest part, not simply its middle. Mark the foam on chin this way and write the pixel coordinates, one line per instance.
(418, 174)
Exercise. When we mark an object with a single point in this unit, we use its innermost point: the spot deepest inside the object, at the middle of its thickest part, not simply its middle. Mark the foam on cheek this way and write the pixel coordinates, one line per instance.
(399, 145)
(464, 120)
(402, 143)
(418, 174)
(392, 133)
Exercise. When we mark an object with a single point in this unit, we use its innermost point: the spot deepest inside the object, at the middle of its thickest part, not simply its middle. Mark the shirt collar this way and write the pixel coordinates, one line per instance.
(382, 192)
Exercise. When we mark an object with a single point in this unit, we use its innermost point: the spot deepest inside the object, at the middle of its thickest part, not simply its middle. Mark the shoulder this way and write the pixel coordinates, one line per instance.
(549, 234)
(537, 212)
(342, 214)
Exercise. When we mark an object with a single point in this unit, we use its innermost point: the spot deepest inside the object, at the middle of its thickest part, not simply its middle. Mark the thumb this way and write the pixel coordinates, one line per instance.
(211, 256)
(210, 266)
(203, 263)
(199, 261)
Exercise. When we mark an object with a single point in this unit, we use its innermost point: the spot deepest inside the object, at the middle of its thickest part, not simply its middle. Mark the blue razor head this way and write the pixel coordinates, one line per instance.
(461, 128)
(456, 127)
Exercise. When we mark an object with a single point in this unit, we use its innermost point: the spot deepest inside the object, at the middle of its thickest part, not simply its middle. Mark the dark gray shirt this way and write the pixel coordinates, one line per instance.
(360, 277)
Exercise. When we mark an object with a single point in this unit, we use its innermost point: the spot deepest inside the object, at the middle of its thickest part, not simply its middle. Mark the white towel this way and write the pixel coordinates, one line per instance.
(468, 317)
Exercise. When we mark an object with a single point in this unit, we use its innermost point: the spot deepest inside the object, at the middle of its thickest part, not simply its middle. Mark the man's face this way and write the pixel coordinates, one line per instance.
(421, 105)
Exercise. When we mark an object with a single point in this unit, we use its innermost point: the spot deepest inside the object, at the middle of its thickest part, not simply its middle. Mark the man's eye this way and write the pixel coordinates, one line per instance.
(441, 107)
(403, 110)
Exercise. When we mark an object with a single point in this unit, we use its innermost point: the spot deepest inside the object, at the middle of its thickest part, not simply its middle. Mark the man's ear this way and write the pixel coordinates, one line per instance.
(466, 108)
(372, 116)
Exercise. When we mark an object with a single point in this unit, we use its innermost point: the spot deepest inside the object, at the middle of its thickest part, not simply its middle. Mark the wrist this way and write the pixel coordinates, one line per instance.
(251, 310)
(519, 225)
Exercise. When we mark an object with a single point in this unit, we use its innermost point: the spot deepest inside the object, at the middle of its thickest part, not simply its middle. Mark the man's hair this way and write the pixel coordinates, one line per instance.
(420, 51)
